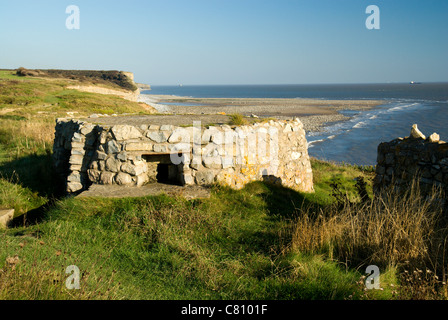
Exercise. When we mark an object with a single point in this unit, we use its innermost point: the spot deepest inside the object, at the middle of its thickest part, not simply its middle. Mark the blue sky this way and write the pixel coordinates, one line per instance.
(232, 41)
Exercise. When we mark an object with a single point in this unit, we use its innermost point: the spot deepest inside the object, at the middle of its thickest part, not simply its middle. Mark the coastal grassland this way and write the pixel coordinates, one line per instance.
(29, 107)
(29, 96)
(261, 242)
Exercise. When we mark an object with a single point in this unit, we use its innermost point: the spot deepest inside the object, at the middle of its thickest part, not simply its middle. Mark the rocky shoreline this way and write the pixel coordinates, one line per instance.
(315, 114)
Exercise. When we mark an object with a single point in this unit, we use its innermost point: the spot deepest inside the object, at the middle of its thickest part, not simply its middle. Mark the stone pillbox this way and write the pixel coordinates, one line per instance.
(123, 154)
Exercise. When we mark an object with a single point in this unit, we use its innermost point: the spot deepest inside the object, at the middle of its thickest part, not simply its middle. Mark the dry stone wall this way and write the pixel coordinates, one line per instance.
(403, 160)
(275, 151)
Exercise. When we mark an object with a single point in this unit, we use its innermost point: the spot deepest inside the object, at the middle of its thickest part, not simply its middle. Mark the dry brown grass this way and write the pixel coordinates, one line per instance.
(393, 229)
(403, 231)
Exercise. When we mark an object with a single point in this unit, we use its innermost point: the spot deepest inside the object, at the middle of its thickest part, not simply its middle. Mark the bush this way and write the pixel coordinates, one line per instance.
(237, 119)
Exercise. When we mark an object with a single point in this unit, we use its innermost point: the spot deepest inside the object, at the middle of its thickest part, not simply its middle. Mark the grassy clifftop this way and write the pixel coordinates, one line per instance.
(115, 78)
(262, 242)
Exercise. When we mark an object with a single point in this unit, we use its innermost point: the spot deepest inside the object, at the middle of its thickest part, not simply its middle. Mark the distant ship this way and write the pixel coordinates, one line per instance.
(413, 82)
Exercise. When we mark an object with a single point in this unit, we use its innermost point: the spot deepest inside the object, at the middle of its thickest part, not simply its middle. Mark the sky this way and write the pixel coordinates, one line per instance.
(200, 42)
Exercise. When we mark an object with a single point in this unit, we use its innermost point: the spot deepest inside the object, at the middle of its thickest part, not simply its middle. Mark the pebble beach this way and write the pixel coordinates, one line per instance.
(314, 113)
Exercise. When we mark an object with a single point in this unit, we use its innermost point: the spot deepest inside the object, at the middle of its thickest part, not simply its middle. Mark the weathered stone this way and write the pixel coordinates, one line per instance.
(93, 175)
(74, 177)
(141, 179)
(179, 135)
(160, 148)
(205, 177)
(157, 136)
(434, 138)
(134, 170)
(167, 127)
(184, 147)
(416, 133)
(74, 187)
(101, 155)
(78, 151)
(112, 147)
(122, 156)
(212, 162)
(187, 179)
(85, 130)
(390, 157)
(106, 177)
(77, 137)
(6, 215)
(123, 179)
(124, 132)
(113, 164)
(139, 146)
(76, 159)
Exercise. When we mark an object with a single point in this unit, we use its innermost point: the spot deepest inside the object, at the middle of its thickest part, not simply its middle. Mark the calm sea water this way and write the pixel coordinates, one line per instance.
(354, 141)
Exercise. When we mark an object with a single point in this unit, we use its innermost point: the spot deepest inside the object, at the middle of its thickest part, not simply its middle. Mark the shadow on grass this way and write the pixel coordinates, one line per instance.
(283, 202)
(36, 173)
(32, 217)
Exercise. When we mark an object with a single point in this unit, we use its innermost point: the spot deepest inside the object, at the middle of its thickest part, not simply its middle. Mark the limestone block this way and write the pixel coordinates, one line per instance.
(434, 138)
(93, 175)
(167, 127)
(179, 135)
(107, 177)
(125, 132)
(123, 179)
(113, 164)
(139, 146)
(187, 179)
(212, 162)
(122, 156)
(77, 137)
(76, 159)
(416, 133)
(158, 136)
(6, 215)
(77, 145)
(184, 147)
(134, 170)
(78, 152)
(87, 129)
(93, 165)
(112, 147)
(102, 165)
(204, 177)
(141, 179)
(160, 148)
(154, 127)
(196, 164)
(74, 187)
(74, 177)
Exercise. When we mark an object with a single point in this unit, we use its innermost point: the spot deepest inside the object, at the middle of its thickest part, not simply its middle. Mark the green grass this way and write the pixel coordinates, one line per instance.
(169, 248)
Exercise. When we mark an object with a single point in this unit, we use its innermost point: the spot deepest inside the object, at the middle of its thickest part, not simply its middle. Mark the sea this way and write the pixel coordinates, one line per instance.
(354, 141)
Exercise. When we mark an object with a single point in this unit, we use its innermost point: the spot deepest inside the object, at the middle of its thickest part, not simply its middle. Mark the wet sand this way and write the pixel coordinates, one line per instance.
(313, 113)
